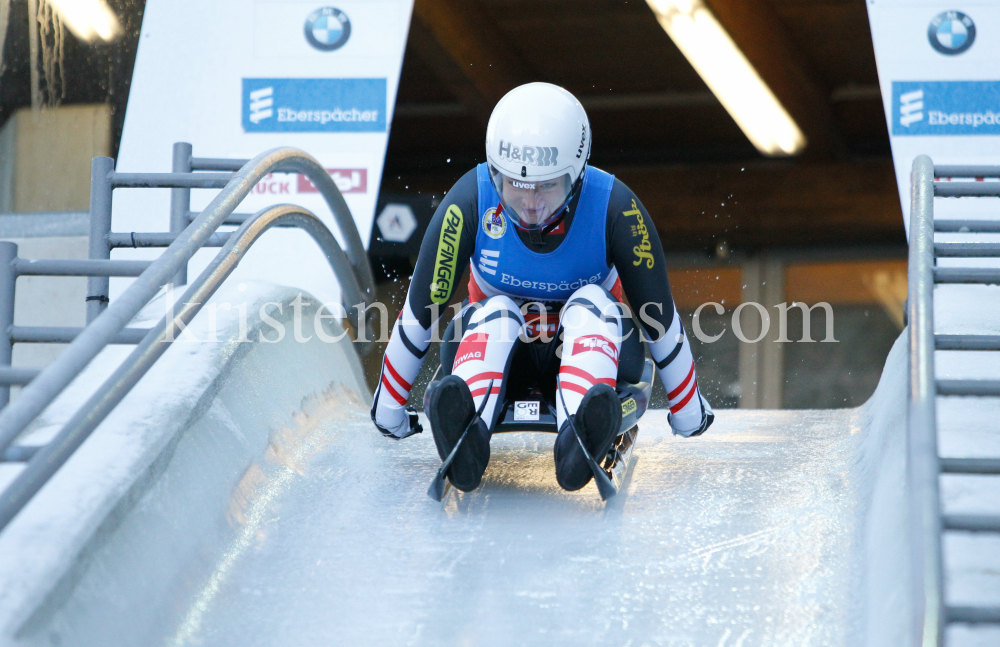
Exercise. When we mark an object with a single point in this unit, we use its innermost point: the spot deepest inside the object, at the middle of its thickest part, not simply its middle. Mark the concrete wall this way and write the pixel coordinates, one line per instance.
(45, 157)
(145, 506)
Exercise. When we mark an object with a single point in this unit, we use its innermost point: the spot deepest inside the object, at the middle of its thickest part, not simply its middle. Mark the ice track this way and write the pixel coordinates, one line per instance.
(276, 515)
(743, 538)
(751, 535)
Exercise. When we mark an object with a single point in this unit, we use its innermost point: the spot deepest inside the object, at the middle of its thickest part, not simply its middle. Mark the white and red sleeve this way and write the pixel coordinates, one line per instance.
(672, 354)
(403, 357)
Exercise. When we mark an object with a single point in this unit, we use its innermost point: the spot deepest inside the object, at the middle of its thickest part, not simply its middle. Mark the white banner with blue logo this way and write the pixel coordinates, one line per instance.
(939, 72)
(314, 105)
(237, 77)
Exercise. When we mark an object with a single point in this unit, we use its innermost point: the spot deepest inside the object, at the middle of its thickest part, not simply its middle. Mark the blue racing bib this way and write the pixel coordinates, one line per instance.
(506, 264)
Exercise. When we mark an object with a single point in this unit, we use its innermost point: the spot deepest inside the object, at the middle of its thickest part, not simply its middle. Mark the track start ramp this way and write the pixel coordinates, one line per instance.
(278, 518)
(756, 534)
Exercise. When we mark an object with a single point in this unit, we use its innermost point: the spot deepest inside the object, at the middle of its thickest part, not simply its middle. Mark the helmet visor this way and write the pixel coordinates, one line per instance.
(532, 204)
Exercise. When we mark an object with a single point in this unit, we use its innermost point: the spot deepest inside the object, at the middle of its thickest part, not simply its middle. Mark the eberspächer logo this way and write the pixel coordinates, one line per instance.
(946, 108)
(314, 105)
(327, 29)
(951, 32)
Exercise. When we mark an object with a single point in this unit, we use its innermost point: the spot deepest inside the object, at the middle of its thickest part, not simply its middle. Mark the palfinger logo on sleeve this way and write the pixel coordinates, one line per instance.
(447, 255)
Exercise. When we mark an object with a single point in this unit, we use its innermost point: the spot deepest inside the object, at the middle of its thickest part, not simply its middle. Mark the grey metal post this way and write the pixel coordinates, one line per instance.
(180, 200)
(155, 343)
(923, 461)
(101, 169)
(8, 252)
(356, 283)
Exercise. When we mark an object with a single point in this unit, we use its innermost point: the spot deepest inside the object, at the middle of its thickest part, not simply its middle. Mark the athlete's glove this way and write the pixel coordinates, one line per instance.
(407, 427)
(707, 418)
(395, 422)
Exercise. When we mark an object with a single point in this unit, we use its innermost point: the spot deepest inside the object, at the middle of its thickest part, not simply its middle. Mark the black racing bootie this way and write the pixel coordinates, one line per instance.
(597, 421)
(450, 409)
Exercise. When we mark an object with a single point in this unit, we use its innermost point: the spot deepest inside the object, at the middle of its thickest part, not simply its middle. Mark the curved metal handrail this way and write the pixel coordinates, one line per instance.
(358, 286)
(51, 457)
(305, 164)
(922, 454)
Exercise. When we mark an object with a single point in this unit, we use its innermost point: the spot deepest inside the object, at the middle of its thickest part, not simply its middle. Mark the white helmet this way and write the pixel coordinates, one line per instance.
(537, 146)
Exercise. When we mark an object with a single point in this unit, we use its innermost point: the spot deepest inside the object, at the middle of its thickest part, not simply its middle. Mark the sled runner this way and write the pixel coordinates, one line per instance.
(533, 411)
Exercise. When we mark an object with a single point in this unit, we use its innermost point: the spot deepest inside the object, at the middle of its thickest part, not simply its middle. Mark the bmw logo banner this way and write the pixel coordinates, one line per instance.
(939, 77)
(327, 29)
(952, 32)
(235, 78)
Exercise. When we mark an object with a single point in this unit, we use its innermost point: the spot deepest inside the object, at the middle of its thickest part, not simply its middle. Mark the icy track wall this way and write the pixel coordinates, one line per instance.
(240, 496)
(118, 544)
(879, 473)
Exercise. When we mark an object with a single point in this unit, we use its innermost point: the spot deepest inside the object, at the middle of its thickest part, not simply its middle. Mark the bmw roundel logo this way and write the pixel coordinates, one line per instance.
(951, 32)
(327, 29)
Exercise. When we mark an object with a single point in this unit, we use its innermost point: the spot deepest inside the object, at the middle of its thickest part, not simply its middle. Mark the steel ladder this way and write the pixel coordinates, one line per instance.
(933, 614)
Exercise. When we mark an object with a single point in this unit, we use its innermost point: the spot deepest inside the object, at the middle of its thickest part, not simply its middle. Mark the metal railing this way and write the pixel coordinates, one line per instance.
(107, 322)
(931, 613)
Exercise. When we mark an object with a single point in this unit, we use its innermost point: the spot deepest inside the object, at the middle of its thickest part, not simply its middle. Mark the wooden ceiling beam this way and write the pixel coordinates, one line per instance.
(762, 204)
(759, 33)
(466, 52)
(770, 203)
(592, 104)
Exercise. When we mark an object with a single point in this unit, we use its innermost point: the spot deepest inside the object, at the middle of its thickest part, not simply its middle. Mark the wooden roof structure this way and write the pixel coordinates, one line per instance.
(655, 123)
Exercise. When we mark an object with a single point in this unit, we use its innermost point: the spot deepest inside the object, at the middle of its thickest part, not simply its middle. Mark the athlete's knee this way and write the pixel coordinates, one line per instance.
(495, 307)
(497, 317)
(591, 304)
(593, 293)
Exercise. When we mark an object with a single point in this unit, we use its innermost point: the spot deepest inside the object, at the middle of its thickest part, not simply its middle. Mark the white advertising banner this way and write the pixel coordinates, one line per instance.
(939, 71)
(238, 77)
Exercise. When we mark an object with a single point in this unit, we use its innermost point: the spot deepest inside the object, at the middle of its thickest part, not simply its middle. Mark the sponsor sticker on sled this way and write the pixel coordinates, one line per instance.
(526, 410)
(628, 406)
